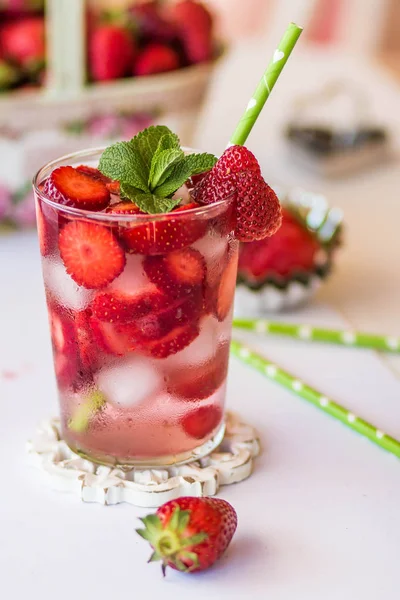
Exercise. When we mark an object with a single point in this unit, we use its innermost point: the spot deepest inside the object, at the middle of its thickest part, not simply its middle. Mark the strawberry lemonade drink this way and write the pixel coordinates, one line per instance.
(139, 247)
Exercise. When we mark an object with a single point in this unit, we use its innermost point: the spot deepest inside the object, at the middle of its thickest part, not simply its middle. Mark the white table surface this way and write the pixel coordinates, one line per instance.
(320, 516)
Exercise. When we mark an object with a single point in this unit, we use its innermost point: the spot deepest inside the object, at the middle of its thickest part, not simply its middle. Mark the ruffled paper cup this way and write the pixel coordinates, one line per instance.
(276, 293)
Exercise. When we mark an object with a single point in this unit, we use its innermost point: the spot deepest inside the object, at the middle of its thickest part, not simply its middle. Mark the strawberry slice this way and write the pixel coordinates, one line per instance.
(71, 187)
(94, 173)
(158, 324)
(202, 421)
(226, 289)
(47, 227)
(178, 272)
(115, 306)
(87, 349)
(122, 330)
(125, 207)
(91, 254)
(201, 381)
(66, 359)
(173, 342)
(114, 187)
(165, 235)
(113, 338)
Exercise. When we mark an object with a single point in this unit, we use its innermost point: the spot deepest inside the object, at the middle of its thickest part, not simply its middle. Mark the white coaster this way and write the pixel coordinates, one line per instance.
(65, 471)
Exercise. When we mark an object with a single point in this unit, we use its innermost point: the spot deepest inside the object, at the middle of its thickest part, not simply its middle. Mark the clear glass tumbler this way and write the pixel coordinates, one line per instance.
(141, 363)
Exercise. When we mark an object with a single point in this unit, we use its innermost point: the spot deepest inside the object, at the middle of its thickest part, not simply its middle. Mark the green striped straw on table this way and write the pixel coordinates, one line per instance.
(349, 338)
(274, 373)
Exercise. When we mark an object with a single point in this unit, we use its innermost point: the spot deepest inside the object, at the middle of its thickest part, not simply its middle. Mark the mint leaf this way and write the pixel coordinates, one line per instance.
(152, 167)
(121, 163)
(146, 143)
(190, 165)
(200, 163)
(149, 203)
(169, 141)
(91, 404)
(162, 165)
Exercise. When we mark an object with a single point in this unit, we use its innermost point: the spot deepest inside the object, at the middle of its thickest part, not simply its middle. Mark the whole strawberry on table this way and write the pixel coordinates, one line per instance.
(190, 534)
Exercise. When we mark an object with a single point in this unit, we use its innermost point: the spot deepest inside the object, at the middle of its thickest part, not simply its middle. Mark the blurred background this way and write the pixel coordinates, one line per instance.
(75, 74)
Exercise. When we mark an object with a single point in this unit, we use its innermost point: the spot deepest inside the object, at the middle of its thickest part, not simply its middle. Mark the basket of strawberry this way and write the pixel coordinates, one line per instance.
(132, 48)
(90, 75)
(285, 270)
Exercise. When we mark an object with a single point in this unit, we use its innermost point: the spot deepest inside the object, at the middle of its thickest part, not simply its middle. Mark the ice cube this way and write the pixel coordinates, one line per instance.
(183, 193)
(129, 382)
(64, 289)
(213, 247)
(132, 278)
(201, 350)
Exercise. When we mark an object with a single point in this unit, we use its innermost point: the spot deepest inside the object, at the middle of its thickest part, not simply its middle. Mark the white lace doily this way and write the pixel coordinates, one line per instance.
(65, 471)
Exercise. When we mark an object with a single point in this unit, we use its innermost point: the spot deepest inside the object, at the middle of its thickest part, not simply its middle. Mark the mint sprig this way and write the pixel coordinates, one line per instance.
(152, 167)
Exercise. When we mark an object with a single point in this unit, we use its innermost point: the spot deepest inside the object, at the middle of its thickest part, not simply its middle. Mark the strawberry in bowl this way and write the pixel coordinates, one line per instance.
(286, 269)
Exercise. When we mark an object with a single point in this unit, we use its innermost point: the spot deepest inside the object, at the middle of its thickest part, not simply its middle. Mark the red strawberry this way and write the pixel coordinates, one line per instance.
(125, 207)
(158, 324)
(190, 534)
(202, 421)
(173, 342)
(148, 324)
(111, 52)
(47, 227)
(156, 58)
(258, 212)
(226, 289)
(112, 338)
(195, 179)
(71, 187)
(178, 272)
(66, 360)
(116, 307)
(291, 250)
(91, 254)
(171, 232)
(195, 28)
(114, 187)
(92, 172)
(201, 381)
(88, 351)
(151, 24)
(23, 41)
(236, 159)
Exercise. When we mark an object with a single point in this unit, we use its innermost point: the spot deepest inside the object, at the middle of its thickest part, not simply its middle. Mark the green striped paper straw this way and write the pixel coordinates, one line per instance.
(350, 338)
(266, 85)
(275, 373)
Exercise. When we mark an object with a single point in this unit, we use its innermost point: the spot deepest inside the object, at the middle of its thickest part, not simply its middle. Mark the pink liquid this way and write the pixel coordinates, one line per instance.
(153, 409)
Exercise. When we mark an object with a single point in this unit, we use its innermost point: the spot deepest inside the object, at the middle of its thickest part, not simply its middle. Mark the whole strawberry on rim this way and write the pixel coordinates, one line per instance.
(237, 174)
